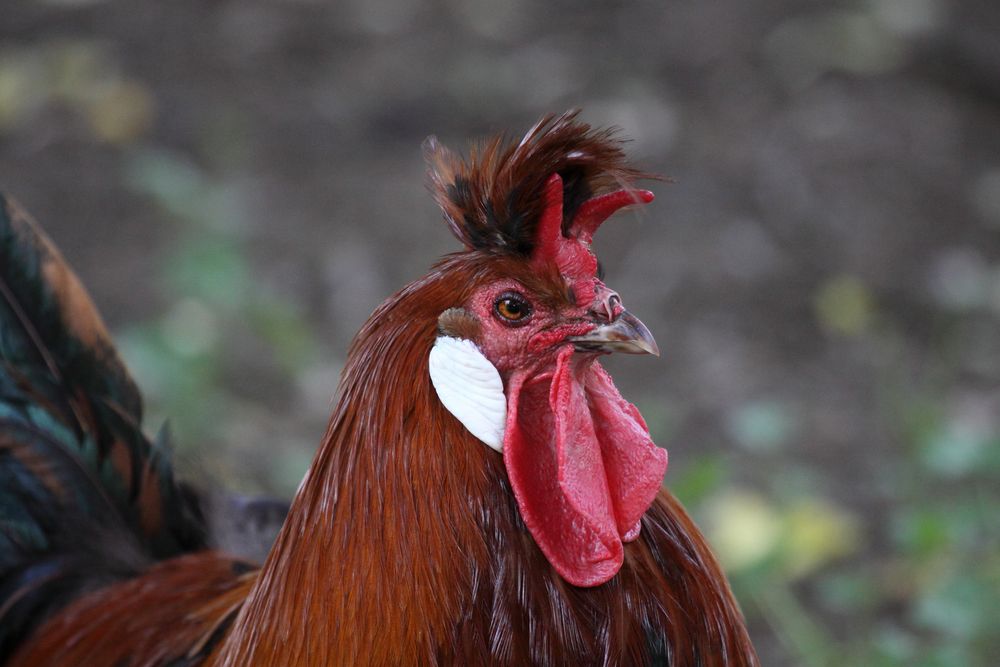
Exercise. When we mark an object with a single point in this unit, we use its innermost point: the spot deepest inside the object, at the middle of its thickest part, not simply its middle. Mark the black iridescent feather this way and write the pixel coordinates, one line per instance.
(85, 497)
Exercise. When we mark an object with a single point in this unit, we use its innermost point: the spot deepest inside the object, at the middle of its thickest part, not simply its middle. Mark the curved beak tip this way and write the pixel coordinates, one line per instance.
(625, 334)
(651, 347)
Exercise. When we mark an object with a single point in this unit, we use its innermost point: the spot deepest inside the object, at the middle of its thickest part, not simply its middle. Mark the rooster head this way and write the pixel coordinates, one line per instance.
(516, 356)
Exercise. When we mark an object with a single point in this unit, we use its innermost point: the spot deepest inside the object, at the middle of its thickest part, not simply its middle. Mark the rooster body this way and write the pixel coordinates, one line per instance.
(410, 541)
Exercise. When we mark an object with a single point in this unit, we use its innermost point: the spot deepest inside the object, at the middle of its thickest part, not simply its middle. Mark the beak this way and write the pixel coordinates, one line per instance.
(625, 334)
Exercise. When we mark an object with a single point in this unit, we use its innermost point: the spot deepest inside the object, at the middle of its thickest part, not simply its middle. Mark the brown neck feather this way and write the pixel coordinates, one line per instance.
(375, 552)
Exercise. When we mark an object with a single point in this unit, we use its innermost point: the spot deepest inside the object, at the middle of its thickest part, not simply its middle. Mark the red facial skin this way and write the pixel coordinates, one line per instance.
(533, 341)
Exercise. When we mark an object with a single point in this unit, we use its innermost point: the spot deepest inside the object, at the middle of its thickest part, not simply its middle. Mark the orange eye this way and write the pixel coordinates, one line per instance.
(512, 308)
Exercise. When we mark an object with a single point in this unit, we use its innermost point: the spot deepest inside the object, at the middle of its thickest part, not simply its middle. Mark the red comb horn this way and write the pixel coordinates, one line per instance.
(595, 211)
(570, 253)
(548, 236)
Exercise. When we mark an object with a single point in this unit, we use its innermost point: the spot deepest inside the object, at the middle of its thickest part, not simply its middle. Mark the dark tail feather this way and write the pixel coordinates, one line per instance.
(85, 497)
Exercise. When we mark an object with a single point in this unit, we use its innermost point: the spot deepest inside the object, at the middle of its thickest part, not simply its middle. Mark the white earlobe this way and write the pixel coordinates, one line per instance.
(470, 388)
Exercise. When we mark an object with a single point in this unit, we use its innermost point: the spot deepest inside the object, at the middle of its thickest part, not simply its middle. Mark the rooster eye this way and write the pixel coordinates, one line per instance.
(512, 308)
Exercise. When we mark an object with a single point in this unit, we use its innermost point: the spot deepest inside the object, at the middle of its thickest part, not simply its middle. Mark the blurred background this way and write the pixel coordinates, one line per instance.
(241, 183)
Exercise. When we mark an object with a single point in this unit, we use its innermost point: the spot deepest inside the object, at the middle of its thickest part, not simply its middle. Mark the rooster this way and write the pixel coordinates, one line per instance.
(483, 494)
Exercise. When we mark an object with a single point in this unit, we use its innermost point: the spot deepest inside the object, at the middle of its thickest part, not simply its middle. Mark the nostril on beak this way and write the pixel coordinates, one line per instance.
(611, 305)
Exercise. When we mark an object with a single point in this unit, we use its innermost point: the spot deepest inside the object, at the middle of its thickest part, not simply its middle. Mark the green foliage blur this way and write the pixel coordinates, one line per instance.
(914, 582)
(178, 357)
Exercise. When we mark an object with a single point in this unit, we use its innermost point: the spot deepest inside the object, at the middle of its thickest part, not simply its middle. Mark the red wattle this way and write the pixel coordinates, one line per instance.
(581, 464)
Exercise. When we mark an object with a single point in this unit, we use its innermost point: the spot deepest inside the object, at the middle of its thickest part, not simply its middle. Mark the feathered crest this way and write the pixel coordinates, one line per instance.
(495, 199)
